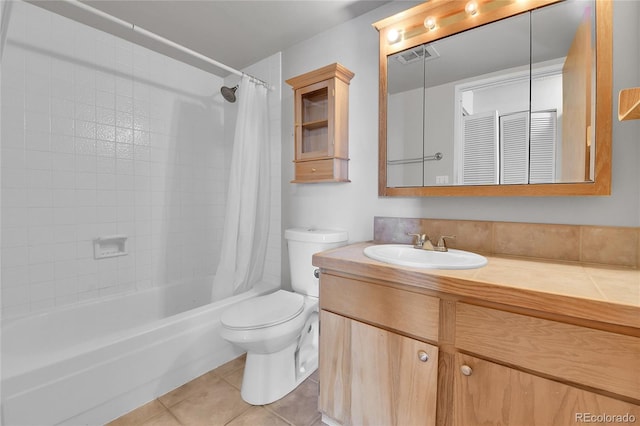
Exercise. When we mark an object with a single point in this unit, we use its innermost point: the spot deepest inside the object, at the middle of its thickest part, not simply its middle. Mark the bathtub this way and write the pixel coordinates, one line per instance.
(93, 362)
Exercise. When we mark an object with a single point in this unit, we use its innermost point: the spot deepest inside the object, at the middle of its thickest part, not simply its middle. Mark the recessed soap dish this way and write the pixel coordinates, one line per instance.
(110, 246)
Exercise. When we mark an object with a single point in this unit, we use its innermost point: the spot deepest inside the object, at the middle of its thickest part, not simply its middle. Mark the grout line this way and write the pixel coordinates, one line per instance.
(278, 415)
(166, 407)
(239, 414)
(175, 417)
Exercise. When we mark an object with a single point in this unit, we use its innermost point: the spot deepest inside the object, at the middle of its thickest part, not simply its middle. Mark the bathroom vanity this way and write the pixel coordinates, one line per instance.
(519, 342)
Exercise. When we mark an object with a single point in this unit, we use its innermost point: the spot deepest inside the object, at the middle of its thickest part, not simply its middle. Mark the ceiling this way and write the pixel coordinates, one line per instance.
(237, 33)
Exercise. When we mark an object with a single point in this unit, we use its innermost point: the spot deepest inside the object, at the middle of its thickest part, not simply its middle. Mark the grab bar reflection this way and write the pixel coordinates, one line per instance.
(435, 157)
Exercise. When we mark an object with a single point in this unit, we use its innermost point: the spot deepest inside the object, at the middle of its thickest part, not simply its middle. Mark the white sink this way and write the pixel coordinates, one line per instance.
(407, 255)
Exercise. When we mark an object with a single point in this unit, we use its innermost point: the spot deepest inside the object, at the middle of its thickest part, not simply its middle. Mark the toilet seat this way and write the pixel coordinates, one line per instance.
(263, 311)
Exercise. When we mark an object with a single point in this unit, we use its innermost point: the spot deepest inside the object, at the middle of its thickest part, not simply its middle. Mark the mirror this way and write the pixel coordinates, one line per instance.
(504, 101)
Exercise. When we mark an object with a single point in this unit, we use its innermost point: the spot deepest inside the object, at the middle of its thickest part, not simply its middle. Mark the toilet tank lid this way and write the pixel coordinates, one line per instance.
(313, 235)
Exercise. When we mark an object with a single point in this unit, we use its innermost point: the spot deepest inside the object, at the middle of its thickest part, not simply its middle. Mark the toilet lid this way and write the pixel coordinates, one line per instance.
(263, 311)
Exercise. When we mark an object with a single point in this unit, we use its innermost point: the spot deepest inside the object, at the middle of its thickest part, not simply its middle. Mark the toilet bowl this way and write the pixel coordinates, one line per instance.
(279, 331)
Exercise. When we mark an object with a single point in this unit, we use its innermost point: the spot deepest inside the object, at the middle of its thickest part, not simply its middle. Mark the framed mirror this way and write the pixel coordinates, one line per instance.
(496, 98)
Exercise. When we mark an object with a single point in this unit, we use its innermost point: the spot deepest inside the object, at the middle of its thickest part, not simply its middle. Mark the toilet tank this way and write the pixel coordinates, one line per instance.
(303, 243)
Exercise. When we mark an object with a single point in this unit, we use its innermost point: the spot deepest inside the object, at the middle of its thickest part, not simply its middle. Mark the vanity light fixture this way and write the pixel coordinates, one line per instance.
(394, 36)
(471, 8)
(430, 23)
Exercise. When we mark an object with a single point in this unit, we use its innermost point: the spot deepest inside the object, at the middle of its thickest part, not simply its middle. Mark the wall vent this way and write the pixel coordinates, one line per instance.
(426, 52)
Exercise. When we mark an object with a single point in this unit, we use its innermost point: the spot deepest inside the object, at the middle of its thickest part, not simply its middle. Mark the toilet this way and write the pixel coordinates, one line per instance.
(279, 331)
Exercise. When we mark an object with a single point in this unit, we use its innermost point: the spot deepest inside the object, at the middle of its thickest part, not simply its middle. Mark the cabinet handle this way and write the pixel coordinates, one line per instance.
(466, 370)
(423, 356)
(313, 169)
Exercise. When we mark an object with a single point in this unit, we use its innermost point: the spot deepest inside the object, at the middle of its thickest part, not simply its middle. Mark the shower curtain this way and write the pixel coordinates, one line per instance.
(246, 224)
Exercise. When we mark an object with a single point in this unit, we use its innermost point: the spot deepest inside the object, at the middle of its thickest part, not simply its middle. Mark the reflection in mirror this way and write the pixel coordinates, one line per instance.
(512, 102)
(562, 34)
(405, 117)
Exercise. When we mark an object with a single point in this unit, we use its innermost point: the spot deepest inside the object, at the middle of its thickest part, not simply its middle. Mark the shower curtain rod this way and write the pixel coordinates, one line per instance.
(161, 39)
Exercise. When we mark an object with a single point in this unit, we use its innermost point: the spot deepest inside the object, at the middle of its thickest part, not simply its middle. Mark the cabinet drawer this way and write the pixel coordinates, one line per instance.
(329, 169)
(594, 358)
(409, 313)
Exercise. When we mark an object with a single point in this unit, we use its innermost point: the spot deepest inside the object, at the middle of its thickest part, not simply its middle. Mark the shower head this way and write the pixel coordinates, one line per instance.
(229, 93)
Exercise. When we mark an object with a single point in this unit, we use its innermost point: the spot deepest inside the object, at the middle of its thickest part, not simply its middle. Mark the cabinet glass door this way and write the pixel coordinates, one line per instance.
(314, 127)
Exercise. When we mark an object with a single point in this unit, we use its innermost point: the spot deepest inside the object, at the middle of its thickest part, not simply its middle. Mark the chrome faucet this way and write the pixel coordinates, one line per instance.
(422, 241)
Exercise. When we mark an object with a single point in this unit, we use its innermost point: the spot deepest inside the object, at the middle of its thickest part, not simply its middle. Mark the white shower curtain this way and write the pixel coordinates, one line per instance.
(246, 224)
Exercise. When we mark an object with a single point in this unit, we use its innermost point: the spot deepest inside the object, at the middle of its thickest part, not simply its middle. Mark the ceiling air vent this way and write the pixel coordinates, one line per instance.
(427, 52)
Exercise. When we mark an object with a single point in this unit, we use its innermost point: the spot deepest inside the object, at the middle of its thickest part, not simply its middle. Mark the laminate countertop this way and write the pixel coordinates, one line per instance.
(591, 292)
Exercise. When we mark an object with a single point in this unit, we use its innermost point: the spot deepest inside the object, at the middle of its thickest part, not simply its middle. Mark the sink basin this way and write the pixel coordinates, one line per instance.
(406, 255)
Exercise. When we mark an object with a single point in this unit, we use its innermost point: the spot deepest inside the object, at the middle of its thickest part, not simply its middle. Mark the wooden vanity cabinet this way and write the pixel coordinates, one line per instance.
(321, 113)
(553, 373)
(370, 373)
(571, 353)
(371, 376)
(486, 393)
(495, 365)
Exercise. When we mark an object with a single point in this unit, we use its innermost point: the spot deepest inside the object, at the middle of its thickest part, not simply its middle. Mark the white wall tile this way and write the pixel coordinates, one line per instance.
(100, 137)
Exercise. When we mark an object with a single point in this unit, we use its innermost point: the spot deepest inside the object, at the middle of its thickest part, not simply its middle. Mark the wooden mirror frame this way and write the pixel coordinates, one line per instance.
(453, 18)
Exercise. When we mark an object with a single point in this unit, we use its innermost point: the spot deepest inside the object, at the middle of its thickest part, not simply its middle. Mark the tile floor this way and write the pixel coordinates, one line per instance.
(214, 399)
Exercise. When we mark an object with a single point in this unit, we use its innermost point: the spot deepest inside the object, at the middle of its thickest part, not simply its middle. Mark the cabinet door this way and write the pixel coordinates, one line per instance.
(390, 384)
(335, 366)
(315, 120)
(490, 394)
(369, 376)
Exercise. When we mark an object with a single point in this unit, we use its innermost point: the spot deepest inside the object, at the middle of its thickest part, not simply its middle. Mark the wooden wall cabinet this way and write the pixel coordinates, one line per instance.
(629, 104)
(321, 110)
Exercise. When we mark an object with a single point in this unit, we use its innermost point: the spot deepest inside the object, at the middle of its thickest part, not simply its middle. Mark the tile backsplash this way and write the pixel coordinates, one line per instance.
(607, 245)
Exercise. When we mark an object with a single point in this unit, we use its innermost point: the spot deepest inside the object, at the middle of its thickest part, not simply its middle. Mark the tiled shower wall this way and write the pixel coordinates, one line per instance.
(102, 137)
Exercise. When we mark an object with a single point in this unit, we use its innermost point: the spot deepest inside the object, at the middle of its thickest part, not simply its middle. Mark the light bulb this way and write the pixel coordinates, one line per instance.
(430, 23)
(393, 36)
(471, 8)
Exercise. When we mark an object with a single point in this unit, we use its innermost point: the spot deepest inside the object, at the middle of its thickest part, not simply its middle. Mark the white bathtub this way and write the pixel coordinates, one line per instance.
(93, 362)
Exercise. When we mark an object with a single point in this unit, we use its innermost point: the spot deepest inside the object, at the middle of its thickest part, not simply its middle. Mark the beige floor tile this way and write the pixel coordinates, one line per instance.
(198, 386)
(216, 405)
(140, 414)
(231, 366)
(164, 419)
(300, 407)
(257, 416)
(235, 378)
(214, 399)
(318, 422)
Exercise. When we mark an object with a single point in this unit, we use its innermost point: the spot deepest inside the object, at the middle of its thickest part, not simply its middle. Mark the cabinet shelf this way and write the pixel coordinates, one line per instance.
(317, 124)
(629, 104)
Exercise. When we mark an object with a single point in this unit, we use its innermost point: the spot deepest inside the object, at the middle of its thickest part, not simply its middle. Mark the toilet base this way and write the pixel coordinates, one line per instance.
(269, 377)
